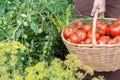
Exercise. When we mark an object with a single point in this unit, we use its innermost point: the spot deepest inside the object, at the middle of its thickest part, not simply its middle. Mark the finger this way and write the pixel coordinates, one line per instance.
(93, 10)
(101, 10)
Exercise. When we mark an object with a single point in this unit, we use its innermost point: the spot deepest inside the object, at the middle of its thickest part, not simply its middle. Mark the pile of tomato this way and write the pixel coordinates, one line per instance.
(81, 33)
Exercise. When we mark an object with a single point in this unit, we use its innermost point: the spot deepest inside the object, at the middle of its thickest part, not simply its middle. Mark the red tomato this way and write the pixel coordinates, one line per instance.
(67, 32)
(111, 41)
(114, 30)
(87, 27)
(79, 24)
(103, 40)
(105, 37)
(117, 39)
(81, 35)
(74, 38)
(117, 22)
(89, 35)
(101, 28)
(74, 29)
(88, 41)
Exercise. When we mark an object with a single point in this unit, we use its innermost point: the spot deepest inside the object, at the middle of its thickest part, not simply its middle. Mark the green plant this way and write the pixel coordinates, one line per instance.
(10, 63)
(59, 70)
(12, 67)
(31, 22)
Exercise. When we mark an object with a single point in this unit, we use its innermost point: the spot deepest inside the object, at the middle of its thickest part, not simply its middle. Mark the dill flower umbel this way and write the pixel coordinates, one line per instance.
(12, 47)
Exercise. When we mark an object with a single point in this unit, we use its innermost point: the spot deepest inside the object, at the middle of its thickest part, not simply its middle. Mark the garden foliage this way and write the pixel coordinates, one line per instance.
(30, 42)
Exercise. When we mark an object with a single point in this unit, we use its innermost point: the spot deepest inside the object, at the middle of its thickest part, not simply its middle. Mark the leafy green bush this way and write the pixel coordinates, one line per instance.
(37, 24)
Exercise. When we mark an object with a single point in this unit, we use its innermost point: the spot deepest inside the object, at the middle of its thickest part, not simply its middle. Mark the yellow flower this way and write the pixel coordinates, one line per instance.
(60, 78)
(41, 76)
(13, 60)
(2, 59)
(29, 70)
(79, 75)
(72, 60)
(40, 66)
(3, 69)
(56, 61)
(7, 50)
(18, 78)
(67, 73)
(14, 51)
(30, 77)
(1, 51)
(11, 47)
(88, 69)
(22, 47)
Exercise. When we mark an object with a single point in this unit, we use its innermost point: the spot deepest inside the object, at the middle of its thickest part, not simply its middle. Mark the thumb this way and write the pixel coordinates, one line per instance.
(93, 10)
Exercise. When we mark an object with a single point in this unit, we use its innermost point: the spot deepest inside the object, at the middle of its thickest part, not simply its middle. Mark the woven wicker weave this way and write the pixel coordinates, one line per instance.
(99, 57)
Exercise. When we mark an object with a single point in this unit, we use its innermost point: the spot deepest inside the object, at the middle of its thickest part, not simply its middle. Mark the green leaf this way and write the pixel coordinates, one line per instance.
(18, 33)
(1, 35)
(34, 26)
(68, 14)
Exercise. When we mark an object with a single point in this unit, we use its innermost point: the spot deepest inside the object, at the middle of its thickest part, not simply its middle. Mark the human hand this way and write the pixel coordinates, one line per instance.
(98, 4)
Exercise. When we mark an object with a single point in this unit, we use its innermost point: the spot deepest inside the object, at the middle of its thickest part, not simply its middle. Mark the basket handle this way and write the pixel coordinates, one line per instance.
(101, 15)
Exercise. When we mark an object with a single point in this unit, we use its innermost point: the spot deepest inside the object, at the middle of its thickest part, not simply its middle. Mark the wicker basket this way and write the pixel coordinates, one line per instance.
(99, 57)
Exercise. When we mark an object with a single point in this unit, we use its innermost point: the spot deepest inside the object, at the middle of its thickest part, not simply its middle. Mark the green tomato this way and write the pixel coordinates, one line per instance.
(40, 30)
(50, 48)
(25, 24)
(46, 43)
(10, 16)
(25, 36)
(23, 58)
(24, 15)
(31, 50)
(18, 22)
(45, 48)
(9, 2)
(44, 51)
(47, 37)
(0, 22)
(5, 23)
(14, 8)
(43, 18)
